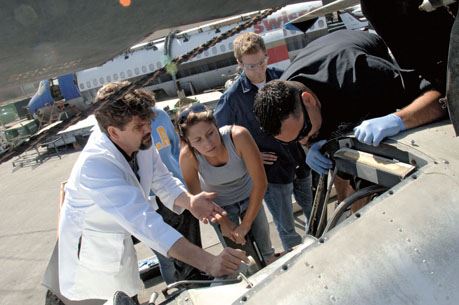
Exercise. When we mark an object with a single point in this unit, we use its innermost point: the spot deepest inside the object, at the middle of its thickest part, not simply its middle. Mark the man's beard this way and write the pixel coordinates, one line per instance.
(146, 142)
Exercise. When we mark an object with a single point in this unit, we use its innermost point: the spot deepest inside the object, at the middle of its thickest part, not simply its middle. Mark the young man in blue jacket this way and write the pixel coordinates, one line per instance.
(282, 162)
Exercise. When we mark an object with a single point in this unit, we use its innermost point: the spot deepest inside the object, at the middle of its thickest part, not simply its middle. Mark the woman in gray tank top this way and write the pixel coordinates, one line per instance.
(226, 161)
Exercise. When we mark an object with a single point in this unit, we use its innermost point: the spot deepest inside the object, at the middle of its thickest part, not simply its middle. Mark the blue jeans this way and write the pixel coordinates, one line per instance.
(302, 191)
(278, 198)
(259, 229)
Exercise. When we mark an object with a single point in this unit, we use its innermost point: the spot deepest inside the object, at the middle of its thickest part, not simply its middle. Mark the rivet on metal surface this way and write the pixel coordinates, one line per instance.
(321, 240)
(413, 162)
(307, 264)
(413, 143)
(435, 162)
(312, 267)
(319, 276)
(332, 298)
(414, 177)
(408, 240)
(326, 287)
(391, 220)
(284, 267)
(384, 212)
(400, 230)
(357, 215)
(391, 192)
(446, 161)
(243, 299)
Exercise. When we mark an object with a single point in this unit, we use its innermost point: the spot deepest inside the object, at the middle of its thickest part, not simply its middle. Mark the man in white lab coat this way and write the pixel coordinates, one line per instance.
(107, 201)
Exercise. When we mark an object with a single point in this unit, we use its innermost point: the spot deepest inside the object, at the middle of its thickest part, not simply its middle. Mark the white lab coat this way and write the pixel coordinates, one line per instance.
(104, 205)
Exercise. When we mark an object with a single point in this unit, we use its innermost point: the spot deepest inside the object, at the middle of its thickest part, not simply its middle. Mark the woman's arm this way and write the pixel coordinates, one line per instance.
(189, 167)
(248, 151)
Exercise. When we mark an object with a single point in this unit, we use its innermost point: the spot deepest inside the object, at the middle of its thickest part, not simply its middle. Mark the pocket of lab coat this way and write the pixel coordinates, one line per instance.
(102, 251)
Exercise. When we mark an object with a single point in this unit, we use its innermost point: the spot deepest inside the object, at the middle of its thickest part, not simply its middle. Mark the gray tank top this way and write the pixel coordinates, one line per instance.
(231, 181)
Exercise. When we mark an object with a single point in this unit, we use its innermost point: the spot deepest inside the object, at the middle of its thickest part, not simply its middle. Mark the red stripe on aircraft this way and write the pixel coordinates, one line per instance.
(277, 54)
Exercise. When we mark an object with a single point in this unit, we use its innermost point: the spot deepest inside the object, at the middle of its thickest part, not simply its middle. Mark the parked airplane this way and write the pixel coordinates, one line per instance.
(210, 69)
(214, 66)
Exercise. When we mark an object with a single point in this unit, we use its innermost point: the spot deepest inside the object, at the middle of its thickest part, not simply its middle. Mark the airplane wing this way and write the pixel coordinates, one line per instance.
(41, 39)
(304, 22)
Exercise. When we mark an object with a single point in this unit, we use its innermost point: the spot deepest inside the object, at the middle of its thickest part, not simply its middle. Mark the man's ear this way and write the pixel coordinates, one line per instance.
(308, 99)
(113, 132)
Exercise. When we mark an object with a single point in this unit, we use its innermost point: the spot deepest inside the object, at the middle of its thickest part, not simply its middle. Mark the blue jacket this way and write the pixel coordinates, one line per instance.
(236, 107)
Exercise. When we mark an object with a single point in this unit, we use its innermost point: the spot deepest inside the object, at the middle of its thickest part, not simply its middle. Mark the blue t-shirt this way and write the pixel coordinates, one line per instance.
(166, 141)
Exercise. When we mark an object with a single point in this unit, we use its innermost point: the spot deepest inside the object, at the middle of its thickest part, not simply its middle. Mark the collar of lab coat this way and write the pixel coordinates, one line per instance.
(100, 143)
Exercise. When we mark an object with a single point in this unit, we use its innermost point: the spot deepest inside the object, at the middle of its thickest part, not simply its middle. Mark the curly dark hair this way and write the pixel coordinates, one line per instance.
(118, 110)
(274, 103)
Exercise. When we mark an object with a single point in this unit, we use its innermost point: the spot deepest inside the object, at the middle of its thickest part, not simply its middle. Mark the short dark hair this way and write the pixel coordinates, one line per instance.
(274, 103)
(118, 110)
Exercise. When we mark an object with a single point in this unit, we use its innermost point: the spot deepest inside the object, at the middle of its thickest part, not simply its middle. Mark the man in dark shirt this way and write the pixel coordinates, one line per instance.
(335, 83)
(281, 162)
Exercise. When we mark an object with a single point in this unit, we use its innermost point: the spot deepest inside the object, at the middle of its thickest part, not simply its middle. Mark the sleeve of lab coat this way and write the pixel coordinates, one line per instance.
(107, 186)
(164, 185)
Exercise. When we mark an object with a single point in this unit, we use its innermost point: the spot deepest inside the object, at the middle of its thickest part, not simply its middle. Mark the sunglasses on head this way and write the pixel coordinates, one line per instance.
(195, 108)
(307, 126)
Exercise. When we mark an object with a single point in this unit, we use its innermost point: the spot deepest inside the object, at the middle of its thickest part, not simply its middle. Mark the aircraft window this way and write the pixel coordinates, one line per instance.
(206, 53)
(94, 82)
(109, 78)
(222, 48)
(159, 65)
(144, 69)
(88, 84)
(122, 75)
(101, 80)
(81, 86)
(151, 67)
(115, 76)
(136, 71)
(129, 73)
(230, 46)
(214, 50)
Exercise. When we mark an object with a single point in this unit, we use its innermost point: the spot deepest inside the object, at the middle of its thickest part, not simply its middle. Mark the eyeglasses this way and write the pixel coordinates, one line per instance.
(255, 66)
(307, 126)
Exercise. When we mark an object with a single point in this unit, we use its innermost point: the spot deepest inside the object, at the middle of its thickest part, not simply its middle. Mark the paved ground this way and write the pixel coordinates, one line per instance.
(28, 209)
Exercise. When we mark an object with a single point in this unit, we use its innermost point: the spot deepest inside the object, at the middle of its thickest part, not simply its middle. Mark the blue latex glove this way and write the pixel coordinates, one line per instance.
(316, 160)
(373, 131)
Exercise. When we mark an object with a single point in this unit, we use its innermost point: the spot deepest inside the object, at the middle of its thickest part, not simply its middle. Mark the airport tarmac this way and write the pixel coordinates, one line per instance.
(29, 208)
